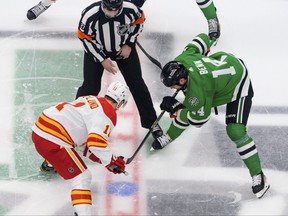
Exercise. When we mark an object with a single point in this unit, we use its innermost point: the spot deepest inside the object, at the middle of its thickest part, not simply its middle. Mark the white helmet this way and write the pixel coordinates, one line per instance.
(118, 92)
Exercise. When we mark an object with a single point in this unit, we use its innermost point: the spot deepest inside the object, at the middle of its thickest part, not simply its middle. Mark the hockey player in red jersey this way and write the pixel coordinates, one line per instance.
(85, 123)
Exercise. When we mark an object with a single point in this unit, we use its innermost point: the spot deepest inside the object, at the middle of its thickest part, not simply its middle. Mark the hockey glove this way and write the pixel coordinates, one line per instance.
(171, 105)
(117, 165)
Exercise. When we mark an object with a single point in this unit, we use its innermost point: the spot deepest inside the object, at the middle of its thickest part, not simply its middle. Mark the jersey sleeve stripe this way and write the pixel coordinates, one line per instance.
(197, 123)
(140, 20)
(82, 36)
(96, 141)
(96, 136)
(97, 144)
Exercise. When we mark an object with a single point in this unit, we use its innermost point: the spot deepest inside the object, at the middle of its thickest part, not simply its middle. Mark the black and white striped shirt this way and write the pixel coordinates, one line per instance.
(100, 34)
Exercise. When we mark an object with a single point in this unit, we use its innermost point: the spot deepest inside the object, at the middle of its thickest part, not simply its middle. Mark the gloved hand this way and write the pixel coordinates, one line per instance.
(117, 165)
(171, 105)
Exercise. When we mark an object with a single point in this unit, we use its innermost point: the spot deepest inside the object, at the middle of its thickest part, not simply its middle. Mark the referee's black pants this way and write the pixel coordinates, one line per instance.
(131, 71)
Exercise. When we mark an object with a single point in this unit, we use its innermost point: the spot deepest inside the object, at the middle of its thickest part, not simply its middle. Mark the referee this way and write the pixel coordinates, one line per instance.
(109, 30)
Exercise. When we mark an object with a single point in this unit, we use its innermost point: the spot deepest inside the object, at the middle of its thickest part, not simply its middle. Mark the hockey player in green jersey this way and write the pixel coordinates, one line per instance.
(207, 82)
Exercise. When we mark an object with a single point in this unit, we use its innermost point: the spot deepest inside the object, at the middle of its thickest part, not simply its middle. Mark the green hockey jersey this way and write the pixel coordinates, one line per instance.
(213, 80)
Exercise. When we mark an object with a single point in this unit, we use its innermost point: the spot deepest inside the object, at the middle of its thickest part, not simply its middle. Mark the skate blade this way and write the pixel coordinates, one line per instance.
(261, 193)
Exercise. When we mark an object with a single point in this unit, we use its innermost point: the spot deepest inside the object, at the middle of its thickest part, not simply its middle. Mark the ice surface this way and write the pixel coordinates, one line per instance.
(200, 173)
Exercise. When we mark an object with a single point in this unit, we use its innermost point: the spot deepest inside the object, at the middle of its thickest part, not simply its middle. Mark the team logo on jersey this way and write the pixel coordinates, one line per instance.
(193, 101)
(123, 29)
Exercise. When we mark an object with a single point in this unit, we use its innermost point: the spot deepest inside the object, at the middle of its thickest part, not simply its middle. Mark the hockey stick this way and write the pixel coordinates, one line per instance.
(129, 160)
(153, 60)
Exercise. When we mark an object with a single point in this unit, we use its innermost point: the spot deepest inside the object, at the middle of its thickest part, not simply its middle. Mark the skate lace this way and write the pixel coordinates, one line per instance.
(256, 180)
(213, 25)
(164, 140)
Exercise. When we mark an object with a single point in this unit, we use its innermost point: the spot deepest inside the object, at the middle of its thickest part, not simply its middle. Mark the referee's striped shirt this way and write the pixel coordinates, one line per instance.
(99, 33)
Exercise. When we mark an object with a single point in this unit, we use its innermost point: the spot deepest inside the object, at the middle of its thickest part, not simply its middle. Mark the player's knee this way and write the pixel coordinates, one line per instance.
(236, 131)
(83, 180)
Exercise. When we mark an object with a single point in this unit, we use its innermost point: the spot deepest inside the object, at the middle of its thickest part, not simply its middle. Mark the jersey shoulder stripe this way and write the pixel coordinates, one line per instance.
(108, 110)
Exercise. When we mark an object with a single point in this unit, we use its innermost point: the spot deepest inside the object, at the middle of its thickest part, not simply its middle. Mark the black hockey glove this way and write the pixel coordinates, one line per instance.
(171, 105)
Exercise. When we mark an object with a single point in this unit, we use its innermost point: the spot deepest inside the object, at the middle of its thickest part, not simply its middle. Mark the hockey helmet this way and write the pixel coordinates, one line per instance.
(172, 72)
(118, 92)
(112, 5)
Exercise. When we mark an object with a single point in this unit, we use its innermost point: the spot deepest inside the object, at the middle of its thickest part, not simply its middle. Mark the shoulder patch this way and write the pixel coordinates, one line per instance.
(193, 101)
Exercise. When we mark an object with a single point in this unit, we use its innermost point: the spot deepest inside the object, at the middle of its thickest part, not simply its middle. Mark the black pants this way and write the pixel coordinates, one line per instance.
(238, 111)
(131, 71)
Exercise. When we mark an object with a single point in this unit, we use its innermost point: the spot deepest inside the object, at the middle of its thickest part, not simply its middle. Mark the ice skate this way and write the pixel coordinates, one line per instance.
(46, 167)
(157, 131)
(214, 28)
(35, 11)
(161, 142)
(259, 185)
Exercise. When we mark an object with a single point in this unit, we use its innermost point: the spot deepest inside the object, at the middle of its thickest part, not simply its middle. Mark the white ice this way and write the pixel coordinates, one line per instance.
(190, 171)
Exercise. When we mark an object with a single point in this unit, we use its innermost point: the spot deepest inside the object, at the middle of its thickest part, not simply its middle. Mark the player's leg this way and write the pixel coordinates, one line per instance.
(71, 167)
(132, 73)
(38, 9)
(209, 10)
(237, 114)
(176, 128)
(81, 193)
(93, 72)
